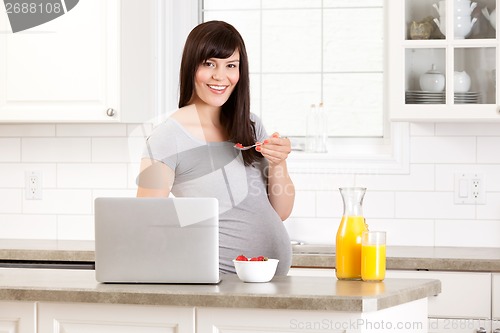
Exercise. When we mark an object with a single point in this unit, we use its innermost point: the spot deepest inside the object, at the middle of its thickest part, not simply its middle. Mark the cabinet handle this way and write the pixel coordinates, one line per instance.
(110, 112)
(497, 330)
(481, 330)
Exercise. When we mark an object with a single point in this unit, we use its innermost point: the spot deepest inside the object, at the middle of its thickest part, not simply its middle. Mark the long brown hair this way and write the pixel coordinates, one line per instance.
(218, 39)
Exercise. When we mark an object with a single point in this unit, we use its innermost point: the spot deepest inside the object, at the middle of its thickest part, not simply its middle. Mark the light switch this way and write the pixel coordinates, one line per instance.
(463, 188)
(469, 189)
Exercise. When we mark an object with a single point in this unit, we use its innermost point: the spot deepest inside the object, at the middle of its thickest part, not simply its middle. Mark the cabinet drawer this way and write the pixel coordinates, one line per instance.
(463, 294)
(496, 296)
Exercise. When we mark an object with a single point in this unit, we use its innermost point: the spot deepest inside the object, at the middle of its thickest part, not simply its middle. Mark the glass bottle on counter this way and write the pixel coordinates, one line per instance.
(348, 240)
(316, 129)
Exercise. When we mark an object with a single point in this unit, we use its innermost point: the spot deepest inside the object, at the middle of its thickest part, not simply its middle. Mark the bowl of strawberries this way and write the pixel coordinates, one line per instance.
(255, 269)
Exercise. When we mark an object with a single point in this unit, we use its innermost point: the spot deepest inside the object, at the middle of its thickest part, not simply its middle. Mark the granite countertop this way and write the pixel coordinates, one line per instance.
(283, 292)
(315, 256)
(472, 259)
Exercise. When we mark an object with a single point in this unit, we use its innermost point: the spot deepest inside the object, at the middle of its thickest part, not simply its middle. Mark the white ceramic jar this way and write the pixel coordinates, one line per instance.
(432, 80)
(461, 81)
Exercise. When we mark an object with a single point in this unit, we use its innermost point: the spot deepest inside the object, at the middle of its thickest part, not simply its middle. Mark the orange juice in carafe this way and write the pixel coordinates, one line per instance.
(348, 240)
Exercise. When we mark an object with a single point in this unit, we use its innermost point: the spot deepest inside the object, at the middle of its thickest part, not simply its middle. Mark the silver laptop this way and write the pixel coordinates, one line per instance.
(157, 240)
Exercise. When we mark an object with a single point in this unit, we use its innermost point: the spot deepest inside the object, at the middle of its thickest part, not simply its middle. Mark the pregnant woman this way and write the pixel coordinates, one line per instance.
(193, 153)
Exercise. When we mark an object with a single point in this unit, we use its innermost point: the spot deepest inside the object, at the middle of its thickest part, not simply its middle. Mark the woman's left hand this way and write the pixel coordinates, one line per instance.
(275, 149)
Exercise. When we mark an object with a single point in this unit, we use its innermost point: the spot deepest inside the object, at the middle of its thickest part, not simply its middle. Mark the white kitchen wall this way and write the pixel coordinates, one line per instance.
(80, 162)
(416, 208)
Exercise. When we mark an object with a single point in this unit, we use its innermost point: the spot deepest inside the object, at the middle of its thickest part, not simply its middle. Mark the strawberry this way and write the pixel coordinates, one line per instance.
(241, 258)
(259, 258)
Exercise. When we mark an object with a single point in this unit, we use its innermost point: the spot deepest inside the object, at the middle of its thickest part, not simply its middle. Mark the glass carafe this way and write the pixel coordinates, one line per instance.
(348, 242)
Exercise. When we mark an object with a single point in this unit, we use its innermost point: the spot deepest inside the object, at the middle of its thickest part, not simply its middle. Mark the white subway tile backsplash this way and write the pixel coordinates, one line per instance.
(488, 148)
(445, 175)
(139, 130)
(467, 129)
(443, 150)
(405, 232)
(305, 204)
(60, 201)
(90, 130)
(420, 178)
(329, 204)
(378, 204)
(27, 130)
(490, 210)
(18, 226)
(13, 174)
(322, 181)
(313, 231)
(115, 150)
(11, 201)
(80, 162)
(75, 227)
(10, 150)
(468, 233)
(55, 149)
(92, 175)
(431, 205)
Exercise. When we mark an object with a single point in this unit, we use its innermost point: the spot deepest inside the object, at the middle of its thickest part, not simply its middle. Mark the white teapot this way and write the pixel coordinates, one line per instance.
(461, 81)
(492, 17)
(461, 26)
(464, 8)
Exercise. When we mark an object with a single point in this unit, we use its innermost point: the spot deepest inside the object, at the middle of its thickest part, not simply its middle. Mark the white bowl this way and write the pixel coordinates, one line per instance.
(256, 271)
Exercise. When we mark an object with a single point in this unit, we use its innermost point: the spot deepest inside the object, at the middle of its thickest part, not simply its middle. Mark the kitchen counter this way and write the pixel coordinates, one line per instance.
(285, 292)
(26, 252)
(410, 258)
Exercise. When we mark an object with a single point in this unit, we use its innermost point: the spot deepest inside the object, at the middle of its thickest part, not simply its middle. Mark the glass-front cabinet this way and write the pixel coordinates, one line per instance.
(442, 59)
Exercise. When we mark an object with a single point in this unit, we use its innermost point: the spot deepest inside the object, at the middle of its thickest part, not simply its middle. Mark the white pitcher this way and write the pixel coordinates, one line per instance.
(461, 27)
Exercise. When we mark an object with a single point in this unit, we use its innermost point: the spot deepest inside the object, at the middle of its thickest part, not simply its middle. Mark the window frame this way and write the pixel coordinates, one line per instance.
(386, 155)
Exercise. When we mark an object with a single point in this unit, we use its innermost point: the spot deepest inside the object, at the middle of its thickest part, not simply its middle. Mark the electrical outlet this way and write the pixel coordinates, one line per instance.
(33, 183)
(470, 189)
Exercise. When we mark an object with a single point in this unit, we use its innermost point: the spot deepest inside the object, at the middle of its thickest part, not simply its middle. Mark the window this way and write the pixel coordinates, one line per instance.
(304, 52)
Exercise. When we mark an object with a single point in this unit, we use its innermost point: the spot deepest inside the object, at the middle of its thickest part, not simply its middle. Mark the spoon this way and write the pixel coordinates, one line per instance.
(239, 146)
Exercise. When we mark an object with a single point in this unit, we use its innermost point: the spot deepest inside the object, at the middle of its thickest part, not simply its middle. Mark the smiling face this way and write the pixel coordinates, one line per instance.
(216, 79)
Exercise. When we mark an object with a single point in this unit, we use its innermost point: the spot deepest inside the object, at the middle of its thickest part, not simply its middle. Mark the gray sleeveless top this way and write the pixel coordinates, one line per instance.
(248, 224)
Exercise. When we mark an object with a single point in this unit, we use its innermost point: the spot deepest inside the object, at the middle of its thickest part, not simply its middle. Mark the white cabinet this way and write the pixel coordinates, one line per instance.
(495, 286)
(17, 317)
(95, 63)
(411, 53)
(236, 320)
(463, 294)
(459, 325)
(113, 318)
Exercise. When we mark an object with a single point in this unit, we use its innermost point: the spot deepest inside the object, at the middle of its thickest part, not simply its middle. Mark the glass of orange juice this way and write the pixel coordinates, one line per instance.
(373, 255)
